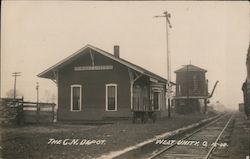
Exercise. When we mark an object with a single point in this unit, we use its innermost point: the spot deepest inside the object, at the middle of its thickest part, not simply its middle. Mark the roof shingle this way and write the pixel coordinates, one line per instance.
(190, 68)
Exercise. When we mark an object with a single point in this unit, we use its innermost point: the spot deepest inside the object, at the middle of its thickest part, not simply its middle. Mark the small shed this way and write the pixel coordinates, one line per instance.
(191, 89)
(94, 85)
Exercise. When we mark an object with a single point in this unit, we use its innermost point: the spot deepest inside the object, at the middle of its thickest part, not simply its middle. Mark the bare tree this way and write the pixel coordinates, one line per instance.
(10, 93)
(49, 96)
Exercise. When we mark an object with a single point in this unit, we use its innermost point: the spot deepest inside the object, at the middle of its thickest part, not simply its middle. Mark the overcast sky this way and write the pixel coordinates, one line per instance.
(212, 35)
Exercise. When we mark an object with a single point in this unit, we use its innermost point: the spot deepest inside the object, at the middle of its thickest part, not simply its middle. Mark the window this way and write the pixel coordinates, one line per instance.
(179, 91)
(76, 98)
(111, 97)
(156, 103)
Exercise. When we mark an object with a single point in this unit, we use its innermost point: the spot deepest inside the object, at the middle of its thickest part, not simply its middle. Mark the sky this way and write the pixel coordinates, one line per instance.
(212, 35)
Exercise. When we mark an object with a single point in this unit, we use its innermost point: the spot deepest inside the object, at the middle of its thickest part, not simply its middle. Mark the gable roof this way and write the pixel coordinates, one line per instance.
(190, 68)
(48, 73)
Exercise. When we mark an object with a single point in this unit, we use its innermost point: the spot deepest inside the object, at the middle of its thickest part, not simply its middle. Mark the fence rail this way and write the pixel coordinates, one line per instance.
(27, 112)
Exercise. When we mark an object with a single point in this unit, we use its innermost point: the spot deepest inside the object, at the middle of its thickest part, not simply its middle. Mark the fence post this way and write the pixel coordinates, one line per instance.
(53, 109)
(37, 112)
(21, 113)
(19, 119)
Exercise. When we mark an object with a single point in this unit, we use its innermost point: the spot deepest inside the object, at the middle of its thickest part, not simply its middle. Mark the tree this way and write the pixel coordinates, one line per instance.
(10, 93)
(49, 96)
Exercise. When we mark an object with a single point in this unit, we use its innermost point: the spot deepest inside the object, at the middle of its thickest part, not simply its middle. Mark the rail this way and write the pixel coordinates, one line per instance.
(193, 133)
(216, 141)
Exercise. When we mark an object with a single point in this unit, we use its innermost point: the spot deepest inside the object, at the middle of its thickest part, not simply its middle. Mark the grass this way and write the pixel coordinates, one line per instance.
(32, 141)
(240, 138)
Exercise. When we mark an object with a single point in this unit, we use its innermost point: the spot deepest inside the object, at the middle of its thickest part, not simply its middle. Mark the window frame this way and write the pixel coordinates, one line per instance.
(159, 99)
(71, 97)
(106, 96)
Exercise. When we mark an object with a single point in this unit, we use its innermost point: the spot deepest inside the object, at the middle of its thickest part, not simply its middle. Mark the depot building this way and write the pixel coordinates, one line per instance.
(94, 85)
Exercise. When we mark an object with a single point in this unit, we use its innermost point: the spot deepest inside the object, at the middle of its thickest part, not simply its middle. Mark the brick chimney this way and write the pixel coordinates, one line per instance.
(116, 51)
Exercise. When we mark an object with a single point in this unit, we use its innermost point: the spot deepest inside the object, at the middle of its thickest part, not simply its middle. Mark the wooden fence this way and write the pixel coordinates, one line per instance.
(38, 112)
(21, 112)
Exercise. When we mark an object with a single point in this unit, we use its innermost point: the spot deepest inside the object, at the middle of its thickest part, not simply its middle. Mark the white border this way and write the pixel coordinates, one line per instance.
(107, 85)
(71, 97)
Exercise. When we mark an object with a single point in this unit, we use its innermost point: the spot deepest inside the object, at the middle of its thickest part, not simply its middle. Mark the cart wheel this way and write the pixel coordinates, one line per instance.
(134, 118)
(153, 117)
(142, 119)
(145, 117)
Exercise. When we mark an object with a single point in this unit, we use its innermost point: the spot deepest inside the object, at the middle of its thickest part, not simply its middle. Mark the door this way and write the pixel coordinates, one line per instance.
(156, 101)
(136, 98)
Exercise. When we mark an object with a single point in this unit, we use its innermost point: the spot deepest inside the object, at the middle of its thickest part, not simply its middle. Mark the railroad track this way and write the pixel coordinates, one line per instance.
(200, 144)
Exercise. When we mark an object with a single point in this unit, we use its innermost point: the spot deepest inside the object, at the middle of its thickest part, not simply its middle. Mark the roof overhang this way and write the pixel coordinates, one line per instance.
(51, 71)
(191, 97)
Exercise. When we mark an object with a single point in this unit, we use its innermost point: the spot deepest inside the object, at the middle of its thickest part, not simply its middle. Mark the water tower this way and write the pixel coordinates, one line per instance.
(191, 90)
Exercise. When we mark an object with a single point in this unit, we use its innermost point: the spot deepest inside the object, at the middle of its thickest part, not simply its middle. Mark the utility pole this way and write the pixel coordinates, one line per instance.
(37, 101)
(15, 75)
(37, 92)
(168, 25)
(187, 76)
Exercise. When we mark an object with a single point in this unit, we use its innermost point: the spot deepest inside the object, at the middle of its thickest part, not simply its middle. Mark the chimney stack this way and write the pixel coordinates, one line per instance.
(116, 51)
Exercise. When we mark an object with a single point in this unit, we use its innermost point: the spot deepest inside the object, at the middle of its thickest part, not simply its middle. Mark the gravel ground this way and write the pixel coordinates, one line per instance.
(239, 146)
(33, 141)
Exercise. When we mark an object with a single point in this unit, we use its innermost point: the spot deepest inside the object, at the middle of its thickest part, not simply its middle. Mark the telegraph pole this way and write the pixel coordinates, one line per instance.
(168, 25)
(37, 101)
(15, 75)
(37, 92)
(187, 77)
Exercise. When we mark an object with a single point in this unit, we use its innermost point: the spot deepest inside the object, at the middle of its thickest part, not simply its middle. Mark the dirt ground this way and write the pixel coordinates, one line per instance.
(239, 147)
(57, 140)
